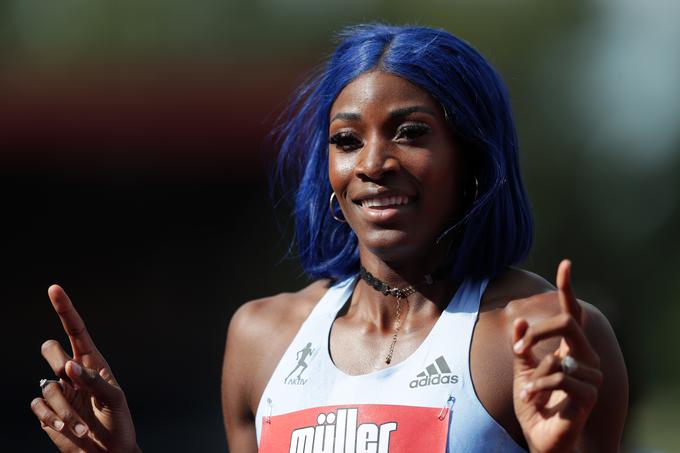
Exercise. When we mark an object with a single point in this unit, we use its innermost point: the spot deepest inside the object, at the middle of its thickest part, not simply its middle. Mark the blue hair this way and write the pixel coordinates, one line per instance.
(496, 230)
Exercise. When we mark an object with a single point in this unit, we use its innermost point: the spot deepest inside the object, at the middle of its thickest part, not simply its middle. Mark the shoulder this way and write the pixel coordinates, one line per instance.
(513, 285)
(258, 335)
(517, 293)
(279, 312)
(512, 294)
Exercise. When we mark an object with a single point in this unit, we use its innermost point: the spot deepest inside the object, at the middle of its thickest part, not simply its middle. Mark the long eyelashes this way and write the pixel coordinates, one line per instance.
(412, 131)
(348, 141)
(345, 140)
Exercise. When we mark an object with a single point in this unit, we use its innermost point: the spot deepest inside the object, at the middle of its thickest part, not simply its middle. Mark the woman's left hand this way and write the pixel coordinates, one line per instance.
(554, 396)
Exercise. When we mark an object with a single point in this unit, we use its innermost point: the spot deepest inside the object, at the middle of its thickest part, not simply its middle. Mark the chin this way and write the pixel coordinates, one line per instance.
(394, 245)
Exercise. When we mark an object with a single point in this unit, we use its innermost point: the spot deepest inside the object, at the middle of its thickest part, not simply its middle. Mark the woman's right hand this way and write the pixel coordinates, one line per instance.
(85, 410)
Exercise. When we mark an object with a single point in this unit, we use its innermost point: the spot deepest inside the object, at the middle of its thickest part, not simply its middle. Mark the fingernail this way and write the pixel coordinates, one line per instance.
(523, 395)
(528, 386)
(58, 425)
(518, 346)
(80, 430)
(76, 368)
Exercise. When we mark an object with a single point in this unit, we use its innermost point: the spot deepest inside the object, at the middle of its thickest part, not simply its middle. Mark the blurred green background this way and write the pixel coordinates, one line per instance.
(132, 171)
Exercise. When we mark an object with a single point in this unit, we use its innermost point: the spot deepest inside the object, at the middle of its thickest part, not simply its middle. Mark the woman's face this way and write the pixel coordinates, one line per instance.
(394, 165)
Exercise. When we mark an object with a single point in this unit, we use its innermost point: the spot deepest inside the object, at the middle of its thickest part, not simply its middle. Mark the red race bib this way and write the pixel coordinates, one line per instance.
(363, 428)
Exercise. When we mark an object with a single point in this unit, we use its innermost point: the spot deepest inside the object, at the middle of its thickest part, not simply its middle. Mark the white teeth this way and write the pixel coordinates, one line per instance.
(396, 200)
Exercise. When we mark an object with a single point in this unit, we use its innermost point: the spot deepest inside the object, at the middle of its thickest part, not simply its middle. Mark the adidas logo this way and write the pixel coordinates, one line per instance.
(438, 372)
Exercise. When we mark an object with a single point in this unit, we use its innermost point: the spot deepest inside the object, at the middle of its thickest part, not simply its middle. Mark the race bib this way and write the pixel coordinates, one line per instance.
(363, 428)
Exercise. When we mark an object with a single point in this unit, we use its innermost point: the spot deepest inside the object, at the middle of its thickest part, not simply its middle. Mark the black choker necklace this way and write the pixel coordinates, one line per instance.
(399, 294)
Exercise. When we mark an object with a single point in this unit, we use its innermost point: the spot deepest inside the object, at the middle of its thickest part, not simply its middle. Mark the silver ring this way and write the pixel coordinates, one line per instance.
(45, 382)
(569, 365)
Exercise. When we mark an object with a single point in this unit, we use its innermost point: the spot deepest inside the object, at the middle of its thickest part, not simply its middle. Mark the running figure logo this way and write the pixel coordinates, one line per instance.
(301, 356)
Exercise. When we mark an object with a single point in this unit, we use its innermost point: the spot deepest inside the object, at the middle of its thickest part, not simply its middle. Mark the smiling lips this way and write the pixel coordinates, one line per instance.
(384, 202)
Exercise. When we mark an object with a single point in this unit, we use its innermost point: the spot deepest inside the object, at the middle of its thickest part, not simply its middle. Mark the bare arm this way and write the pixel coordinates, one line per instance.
(604, 428)
(239, 419)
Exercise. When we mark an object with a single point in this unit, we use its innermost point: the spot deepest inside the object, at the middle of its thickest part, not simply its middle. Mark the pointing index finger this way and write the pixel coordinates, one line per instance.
(568, 302)
(81, 342)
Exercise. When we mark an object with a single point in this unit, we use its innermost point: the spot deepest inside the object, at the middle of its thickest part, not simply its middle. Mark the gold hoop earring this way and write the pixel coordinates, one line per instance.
(330, 205)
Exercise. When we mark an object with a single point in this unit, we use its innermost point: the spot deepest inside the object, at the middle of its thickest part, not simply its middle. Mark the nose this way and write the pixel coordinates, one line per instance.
(376, 159)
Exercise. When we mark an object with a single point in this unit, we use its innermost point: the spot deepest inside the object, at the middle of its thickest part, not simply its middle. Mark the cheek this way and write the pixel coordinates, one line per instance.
(340, 170)
(445, 178)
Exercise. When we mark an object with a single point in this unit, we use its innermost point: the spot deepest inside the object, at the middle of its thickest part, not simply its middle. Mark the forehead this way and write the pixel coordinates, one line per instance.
(381, 91)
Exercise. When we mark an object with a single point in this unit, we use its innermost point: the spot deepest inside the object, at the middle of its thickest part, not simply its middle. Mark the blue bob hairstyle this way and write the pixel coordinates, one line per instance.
(496, 229)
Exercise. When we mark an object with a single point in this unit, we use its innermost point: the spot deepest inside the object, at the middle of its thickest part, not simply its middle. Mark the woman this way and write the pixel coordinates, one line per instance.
(418, 335)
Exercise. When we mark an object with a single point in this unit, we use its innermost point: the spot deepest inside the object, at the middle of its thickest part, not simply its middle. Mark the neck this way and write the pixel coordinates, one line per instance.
(428, 300)
(406, 270)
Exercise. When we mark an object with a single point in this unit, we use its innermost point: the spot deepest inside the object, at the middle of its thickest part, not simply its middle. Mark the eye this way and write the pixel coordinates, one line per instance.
(412, 131)
(346, 141)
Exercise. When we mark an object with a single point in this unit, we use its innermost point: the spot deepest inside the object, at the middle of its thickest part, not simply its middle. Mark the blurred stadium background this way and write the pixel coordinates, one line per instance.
(132, 171)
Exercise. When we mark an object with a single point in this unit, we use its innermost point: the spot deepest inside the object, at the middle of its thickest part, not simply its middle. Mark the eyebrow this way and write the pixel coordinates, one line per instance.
(413, 109)
(405, 111)
(346, 116)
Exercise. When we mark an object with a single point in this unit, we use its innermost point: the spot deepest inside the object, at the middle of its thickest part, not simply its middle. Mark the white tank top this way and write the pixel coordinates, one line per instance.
(436, 377)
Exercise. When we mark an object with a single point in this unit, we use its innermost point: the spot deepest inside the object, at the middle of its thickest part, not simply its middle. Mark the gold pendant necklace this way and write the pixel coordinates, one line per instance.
(400, 294)
(397, 326)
